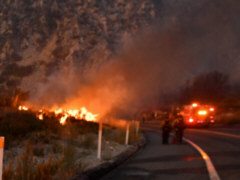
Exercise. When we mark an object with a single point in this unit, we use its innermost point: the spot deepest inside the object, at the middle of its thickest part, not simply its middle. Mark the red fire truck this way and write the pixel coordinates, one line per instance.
(198, 115)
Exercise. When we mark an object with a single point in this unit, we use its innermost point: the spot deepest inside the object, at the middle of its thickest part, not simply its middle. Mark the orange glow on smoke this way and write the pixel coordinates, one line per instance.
(118, 123)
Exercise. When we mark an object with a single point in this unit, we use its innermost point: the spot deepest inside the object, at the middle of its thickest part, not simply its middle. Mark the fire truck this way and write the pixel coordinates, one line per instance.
(197, 115)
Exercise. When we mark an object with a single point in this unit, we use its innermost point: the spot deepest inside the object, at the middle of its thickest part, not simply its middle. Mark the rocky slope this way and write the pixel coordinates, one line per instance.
(39, 37)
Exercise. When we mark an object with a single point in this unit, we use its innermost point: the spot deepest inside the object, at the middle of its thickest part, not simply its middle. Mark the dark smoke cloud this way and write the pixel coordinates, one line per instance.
(190, 38)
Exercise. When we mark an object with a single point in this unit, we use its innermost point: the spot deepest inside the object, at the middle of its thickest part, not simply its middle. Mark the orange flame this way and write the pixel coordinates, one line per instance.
(63, 119)
(40, 116)
(23, 108)
(81, 113)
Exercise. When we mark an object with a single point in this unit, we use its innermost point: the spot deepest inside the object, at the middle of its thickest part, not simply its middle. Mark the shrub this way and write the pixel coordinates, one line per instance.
(119, 135)
(37, 137)
(67, 167)
(28, 168)
(89, 141)
(116, 135)
(38, 151)
(133, 135)
(56, 148)
(82, 126)
(107, 155)
(52, 124)
(19, 124)
(47, 169)
(25, 164)
(69, 156)
(8, 172)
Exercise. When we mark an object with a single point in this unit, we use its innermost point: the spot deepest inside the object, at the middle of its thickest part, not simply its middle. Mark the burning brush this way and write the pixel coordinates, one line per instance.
(64, 114)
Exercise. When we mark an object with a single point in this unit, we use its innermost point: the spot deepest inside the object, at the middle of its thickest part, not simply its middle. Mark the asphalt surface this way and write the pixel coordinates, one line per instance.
(157, 161)
(223, 150)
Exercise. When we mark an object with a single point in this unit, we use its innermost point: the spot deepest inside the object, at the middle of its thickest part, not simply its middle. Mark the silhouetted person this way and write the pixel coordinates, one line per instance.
(166, 129)
(144, 117)
(179, 127)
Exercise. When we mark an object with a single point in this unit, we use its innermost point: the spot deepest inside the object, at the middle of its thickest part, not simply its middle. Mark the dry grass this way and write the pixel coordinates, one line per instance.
(113, 134)
(89, 141)
(59, 156)
(28, 167)
(8, 172)
(134, 136)
(118, 134)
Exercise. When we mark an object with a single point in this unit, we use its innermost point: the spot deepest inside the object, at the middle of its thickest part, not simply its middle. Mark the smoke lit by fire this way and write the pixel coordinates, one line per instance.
(157, 61)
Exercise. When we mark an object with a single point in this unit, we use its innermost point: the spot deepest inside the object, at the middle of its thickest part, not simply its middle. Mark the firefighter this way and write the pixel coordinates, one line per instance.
(166, 129)
(179, 128)
(144, 117)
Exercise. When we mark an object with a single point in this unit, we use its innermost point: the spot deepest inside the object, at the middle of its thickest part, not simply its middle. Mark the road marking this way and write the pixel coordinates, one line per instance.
(213, 175)
(136, 173)
(218, 133)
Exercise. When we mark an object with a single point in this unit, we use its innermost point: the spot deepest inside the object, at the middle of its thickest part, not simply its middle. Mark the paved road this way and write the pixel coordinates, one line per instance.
(223, 149)
(157, 161)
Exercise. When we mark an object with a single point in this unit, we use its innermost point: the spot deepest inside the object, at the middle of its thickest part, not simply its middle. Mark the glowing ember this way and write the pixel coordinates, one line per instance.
(22, 108)
(40, 116)
(63, 119)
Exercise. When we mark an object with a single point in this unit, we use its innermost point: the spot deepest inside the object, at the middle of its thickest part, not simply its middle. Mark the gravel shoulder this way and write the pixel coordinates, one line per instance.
(103, 168)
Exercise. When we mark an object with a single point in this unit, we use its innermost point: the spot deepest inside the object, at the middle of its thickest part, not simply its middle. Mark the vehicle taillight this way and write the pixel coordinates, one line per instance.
(212, 121)
(202, 112)
(191, 120)
(211, 109)
(194, 105)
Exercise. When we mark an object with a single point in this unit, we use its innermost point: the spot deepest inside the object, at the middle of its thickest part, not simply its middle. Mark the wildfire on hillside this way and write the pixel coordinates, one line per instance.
(64, 114)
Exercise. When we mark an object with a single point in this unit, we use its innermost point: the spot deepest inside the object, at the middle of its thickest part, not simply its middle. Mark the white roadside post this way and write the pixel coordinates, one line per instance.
(1, 155)
(127, 134)
(137, 127)
(99, 140)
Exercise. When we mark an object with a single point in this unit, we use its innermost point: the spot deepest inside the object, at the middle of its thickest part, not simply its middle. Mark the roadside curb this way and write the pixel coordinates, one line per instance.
(104, 168)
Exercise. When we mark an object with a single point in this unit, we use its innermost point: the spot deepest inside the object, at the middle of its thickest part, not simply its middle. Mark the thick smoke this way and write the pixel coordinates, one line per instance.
(188, 40)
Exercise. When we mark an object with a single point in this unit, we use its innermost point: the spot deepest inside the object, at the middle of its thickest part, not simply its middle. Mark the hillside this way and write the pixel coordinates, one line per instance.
(39, 37)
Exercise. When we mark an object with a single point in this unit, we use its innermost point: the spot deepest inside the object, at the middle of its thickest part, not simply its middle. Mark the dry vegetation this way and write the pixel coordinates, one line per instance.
(46, 150)
(39, 37)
